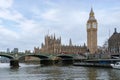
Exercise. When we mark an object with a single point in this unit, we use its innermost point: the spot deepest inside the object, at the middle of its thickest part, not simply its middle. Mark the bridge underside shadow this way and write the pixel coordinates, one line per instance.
(43, 60)
(7, 56)
(63, 60)
(38, 56)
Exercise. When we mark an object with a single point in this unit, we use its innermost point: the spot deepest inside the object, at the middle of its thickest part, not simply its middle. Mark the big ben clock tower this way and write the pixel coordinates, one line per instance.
(92, 33)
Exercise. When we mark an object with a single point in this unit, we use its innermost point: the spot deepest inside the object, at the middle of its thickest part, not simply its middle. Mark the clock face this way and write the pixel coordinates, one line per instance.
(88, 26)
(94, 25)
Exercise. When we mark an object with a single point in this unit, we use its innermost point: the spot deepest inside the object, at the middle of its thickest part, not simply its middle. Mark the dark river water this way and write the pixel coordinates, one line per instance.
(36, 72)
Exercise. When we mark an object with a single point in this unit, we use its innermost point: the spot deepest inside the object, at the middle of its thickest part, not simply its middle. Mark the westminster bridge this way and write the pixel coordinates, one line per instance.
(45, 58)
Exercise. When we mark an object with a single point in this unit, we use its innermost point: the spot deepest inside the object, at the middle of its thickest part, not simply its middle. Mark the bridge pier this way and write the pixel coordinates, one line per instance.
(46, 62)
(14, 63)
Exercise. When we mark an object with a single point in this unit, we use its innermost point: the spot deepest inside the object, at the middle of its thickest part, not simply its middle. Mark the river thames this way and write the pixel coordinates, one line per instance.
(37, 72)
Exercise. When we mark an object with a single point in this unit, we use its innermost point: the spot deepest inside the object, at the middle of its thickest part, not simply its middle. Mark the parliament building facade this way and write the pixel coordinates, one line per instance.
(54, 45)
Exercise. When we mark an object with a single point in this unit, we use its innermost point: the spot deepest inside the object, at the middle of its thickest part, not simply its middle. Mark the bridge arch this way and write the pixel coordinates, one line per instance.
(7, 56)
(44, 60)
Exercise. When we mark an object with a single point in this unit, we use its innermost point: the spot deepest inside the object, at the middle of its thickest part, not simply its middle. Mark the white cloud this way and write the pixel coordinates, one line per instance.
(108, 17)
(30, 27)
(6, 3)
(6, 33)
(36, 11)
(50, 15)
(8, 38)
(12, 15)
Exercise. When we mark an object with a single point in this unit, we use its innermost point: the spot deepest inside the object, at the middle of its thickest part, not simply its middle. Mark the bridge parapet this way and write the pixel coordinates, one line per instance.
(8, 55)
(50, 56)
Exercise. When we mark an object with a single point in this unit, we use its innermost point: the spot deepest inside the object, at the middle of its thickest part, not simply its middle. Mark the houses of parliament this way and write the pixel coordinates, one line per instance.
(54, 45)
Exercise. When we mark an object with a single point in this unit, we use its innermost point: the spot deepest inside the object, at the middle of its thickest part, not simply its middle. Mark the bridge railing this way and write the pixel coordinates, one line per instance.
(50, 55)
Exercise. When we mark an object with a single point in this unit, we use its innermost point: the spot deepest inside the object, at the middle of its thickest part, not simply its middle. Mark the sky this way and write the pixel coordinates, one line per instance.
(24, 23)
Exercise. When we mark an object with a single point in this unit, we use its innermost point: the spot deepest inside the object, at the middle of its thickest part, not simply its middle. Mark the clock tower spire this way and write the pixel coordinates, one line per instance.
(92, 32)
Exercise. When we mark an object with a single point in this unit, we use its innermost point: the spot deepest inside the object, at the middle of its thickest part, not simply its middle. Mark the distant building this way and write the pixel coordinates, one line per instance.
(15, 50)
(27, 51)
(114, 42)
(54, 45)
(8, 50)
